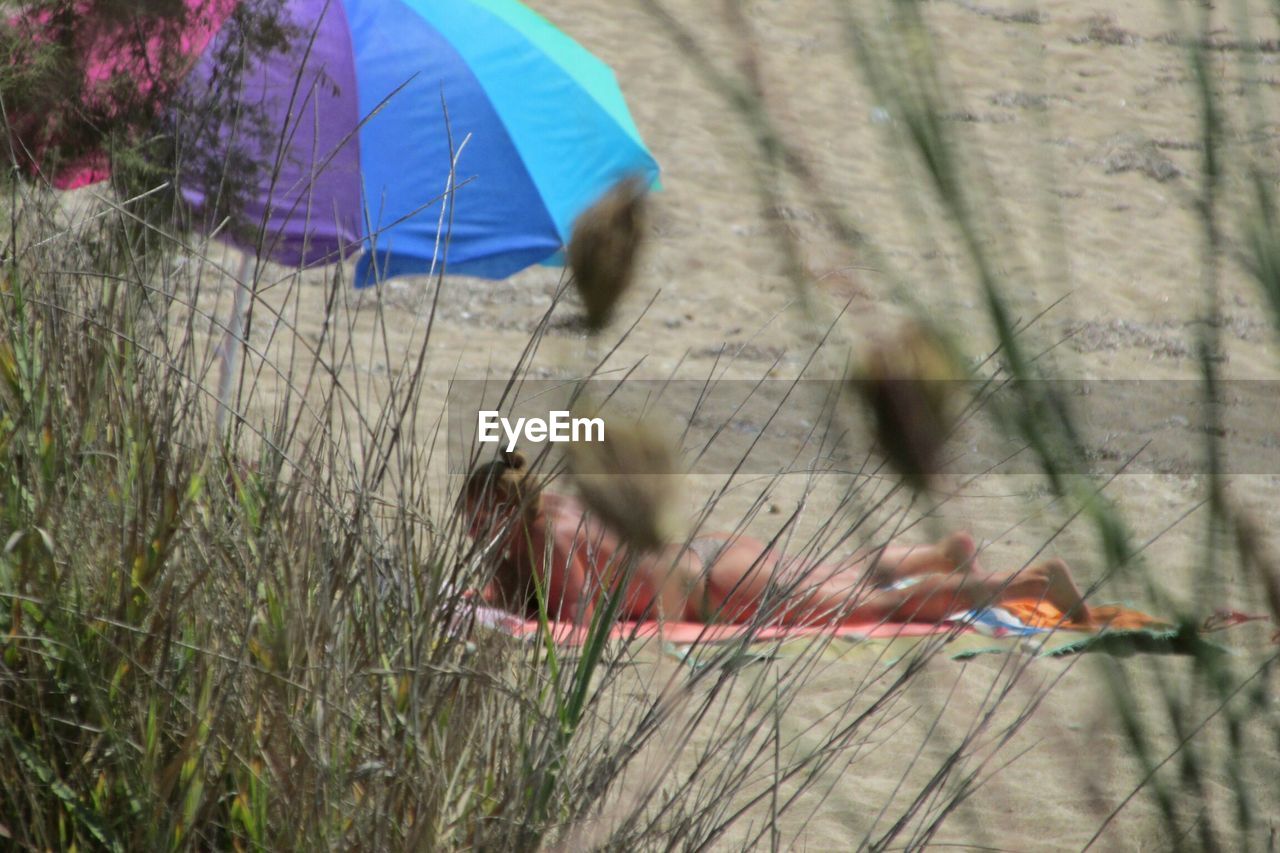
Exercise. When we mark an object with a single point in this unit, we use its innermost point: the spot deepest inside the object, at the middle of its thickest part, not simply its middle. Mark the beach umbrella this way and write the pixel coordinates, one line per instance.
(384, 124)
(378, 108)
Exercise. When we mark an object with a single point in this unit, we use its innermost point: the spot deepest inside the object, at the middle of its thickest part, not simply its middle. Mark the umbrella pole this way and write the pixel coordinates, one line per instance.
(233, 340)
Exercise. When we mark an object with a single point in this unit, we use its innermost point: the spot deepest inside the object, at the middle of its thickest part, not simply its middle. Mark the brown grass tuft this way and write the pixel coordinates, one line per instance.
(602, 251)
(631, 481)
(907, 383)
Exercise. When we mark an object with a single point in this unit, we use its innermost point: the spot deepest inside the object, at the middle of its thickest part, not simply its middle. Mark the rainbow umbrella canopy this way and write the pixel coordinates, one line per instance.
(377, 109)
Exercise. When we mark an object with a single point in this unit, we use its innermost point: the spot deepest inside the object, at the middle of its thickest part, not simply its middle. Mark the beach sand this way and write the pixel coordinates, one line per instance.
(1085, 121)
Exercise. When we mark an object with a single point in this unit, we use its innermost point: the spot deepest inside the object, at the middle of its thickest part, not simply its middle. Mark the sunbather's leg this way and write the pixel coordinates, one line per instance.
(936, 596)
(740, 576)
(744, 576)
(1062, 591)
(956, 552)
(933, 598)
(743, 573)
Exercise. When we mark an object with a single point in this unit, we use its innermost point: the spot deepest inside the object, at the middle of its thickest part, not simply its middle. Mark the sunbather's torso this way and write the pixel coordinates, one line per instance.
(716, 576)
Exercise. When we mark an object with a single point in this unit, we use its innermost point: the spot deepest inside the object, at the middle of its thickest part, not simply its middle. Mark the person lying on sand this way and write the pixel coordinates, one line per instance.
(724, 577)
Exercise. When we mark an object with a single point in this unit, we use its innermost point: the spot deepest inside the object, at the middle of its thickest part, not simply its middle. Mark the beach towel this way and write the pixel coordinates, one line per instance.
(568, 634)
(1021, 625)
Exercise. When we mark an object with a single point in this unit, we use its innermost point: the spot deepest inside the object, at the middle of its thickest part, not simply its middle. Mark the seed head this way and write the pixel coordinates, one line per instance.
(602, 251)
(630, 481)
(909, 384)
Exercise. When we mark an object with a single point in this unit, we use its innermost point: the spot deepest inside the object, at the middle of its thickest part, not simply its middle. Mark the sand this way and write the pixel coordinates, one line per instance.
(1085, 121)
